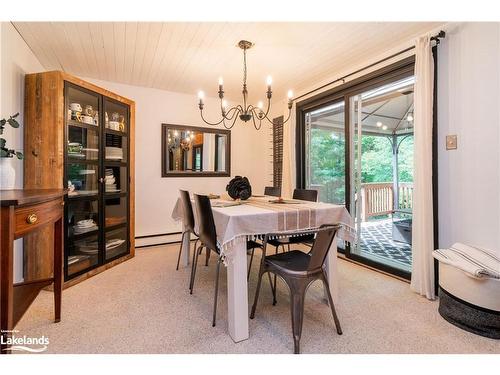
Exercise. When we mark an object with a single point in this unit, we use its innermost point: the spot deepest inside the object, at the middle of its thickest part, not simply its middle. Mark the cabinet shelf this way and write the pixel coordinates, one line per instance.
(80, 236)
(115, 132)
(82, 125)
(114, 163)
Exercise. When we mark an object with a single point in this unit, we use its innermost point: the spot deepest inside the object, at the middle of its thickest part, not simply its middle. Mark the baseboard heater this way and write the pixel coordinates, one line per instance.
(157, 239)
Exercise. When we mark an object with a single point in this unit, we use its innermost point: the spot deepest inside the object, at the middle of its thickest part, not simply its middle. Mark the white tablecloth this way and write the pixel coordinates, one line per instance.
(256, 217)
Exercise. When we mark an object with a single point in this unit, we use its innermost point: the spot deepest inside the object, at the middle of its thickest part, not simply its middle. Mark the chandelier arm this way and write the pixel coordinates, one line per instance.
(230, 126)
(289, 114)
(255, 114)
(235, 111)
(253, 120)
(268, 106)
(210, 123)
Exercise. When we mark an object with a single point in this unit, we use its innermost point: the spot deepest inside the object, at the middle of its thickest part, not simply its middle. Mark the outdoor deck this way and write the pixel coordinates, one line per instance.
(377, 244)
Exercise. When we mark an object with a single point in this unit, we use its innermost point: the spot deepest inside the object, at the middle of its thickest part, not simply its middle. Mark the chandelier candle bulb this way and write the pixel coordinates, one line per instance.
(201, 95)
(269, 82)
(260, 105)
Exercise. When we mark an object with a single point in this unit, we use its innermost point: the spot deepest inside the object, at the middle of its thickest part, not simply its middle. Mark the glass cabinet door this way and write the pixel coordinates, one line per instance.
(116, 178)
(82, 178)
(97, 178)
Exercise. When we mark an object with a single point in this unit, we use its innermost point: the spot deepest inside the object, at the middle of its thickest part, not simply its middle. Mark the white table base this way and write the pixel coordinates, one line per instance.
(237, 293)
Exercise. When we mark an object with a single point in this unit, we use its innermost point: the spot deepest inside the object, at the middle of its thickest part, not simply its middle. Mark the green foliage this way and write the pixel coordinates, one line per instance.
(4, 151)
(327, 162)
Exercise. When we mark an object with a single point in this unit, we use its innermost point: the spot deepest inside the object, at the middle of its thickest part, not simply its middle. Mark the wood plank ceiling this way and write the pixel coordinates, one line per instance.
(187, 57)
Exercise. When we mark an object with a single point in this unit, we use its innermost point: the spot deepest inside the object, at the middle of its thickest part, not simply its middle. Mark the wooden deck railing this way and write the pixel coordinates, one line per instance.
(377, 198)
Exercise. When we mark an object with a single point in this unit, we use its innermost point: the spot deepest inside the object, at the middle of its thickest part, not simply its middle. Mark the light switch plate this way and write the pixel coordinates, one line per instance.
(451, 142)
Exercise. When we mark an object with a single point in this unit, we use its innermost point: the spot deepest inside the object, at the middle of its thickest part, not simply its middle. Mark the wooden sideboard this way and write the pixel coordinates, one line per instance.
(24, 212)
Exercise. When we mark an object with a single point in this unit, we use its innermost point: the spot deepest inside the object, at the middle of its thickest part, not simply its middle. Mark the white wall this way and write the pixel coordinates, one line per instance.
(16, 61)
(468, 106)
(156, 196)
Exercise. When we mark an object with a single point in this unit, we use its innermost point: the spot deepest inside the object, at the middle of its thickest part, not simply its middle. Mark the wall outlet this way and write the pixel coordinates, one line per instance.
(451, 142)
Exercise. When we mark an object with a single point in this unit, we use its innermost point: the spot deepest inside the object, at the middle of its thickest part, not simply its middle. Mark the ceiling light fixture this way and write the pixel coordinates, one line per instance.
(245, 112)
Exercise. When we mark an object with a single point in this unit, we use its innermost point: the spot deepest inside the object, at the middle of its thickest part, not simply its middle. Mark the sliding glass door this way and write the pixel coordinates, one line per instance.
(357, 150)
(381, 167)
(325, 152)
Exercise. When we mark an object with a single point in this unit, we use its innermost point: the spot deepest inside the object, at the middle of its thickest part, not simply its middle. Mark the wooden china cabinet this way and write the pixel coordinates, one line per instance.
(80, 137)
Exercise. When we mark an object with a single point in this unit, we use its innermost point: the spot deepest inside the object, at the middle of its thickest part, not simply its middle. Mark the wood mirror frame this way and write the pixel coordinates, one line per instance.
(165, 154)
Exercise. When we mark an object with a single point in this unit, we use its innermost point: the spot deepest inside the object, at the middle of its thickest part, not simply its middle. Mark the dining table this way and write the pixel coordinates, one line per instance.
(236, 221)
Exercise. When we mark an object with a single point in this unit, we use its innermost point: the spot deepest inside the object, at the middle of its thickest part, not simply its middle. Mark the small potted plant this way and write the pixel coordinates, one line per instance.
(7, 171)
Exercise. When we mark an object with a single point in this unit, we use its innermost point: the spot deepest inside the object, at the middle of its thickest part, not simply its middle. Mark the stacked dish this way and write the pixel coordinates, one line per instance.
(110, 181)
(84, 226)
(114, 153)
(88, 247)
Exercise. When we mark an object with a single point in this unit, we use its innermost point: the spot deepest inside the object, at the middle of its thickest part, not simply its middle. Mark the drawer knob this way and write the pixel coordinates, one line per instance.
(32, 219)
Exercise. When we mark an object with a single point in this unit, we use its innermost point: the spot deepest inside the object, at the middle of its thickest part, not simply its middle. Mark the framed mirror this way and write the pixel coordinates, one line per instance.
(189, 151)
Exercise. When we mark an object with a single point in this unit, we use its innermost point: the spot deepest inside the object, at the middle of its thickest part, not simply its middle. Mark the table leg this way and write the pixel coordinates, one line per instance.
(237, 293)
(6, 277)
(186, 244)
(332, 271)
(58, 267)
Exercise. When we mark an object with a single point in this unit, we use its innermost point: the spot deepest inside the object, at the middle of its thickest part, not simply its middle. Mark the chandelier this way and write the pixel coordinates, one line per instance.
(245, 112)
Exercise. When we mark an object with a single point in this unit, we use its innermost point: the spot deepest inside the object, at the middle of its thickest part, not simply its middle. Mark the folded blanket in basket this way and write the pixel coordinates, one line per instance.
(474, 261)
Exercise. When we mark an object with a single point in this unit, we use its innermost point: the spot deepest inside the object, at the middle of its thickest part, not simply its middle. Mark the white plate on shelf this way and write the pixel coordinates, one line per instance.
(111, 244)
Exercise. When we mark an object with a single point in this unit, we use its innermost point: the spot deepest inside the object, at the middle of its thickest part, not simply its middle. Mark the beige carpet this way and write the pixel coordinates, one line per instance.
(143, 306)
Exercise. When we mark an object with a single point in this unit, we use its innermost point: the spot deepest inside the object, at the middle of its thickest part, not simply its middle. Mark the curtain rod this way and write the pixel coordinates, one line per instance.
(436, 38)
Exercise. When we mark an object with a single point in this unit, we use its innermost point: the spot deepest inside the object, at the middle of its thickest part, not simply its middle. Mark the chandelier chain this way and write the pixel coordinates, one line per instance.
(245, 66)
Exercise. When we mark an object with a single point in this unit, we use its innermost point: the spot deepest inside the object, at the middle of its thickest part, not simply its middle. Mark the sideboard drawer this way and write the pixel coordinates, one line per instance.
(30, 217)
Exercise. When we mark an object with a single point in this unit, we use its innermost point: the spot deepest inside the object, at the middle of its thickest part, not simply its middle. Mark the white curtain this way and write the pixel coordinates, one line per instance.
(422, 277)
(289, 161)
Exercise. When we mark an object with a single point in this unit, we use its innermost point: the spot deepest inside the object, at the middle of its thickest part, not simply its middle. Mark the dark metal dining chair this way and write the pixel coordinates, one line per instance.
(305, 195)
(187, 220)
(274, 191)
(208, 240)
(298, 270)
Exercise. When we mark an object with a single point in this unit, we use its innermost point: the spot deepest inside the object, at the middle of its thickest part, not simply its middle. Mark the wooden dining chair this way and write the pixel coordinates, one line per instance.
(299, 270)
(274, 191)
(187, 220)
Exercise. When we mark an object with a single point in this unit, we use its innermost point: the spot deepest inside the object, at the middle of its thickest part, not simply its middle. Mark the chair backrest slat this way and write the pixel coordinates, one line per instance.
(206, 223)
(187, 210)
(306, 195)
(274, 191)
(321, 246)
